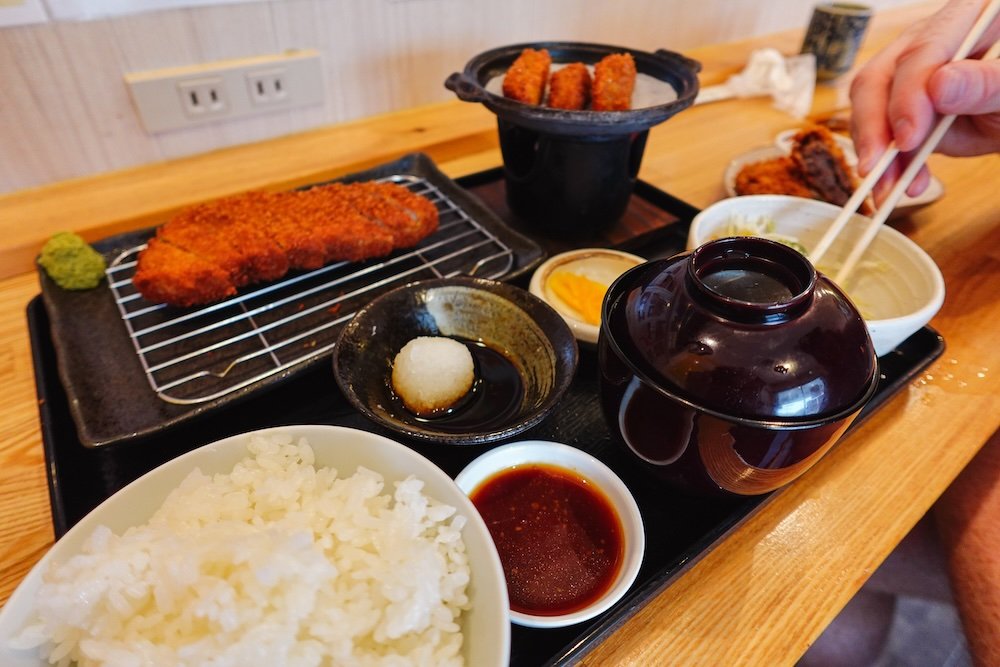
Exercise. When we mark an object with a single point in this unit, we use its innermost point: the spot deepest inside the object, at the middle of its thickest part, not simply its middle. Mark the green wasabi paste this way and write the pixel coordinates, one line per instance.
(71, 263)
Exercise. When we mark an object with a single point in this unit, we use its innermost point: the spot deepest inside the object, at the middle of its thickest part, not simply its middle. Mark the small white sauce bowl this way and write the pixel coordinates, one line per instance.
(602, 265)
(531, 452)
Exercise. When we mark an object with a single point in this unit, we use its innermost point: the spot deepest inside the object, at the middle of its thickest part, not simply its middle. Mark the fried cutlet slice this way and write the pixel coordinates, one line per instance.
(423, 214)
(168, 274)
(821, 162)
(347, 235)
(231, 234)
(525, 80)
(779, 176)
(304, 234)
(249, 222)
(291, 229)
(569, 87)
(372, 202)
(614, 81)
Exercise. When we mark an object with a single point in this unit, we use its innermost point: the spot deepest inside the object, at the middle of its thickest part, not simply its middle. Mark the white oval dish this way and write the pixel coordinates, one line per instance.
(486, 626)
(592, 469)
(602, 265)
(897, 286)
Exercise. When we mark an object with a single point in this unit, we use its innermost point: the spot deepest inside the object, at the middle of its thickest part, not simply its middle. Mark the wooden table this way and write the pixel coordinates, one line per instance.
(768, 590)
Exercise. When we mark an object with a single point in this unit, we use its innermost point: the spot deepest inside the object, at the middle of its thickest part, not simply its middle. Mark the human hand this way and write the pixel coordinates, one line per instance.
(899, 93)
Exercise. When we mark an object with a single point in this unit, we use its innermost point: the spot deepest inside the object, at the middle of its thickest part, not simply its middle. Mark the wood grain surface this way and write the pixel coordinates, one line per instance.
(69, 113)
(768, 590)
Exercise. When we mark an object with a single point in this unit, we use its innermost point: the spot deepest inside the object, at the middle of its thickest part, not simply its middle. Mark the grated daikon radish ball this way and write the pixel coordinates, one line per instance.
(431, 373)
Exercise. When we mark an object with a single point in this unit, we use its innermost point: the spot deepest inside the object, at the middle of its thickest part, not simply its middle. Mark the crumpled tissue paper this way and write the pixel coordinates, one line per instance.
(790, 81)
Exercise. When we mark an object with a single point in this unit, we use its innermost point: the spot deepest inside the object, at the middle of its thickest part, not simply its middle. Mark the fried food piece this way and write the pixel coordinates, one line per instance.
(230, 233)
(820, 159)
(614, 81)
(382, 204)
(171, 275)
(569, 87)
(815, 169)
(205, 253)
(345, 233)
(772, 177)
(525, 80)
(422, 212)
(303, 245)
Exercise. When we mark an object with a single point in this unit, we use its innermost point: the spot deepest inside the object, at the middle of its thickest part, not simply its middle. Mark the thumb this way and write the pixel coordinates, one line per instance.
(966, 87)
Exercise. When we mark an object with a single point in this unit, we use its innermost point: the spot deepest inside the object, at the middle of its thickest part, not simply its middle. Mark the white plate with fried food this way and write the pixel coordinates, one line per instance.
(776, 172)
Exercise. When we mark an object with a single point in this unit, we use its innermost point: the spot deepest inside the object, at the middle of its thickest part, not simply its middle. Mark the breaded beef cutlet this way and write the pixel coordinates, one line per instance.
(614, 81)
(768, 177)
(526, 78)
(178, 277)
(347, 235)
(230, 233)
(569, 87)
(204, 253)
(815, 169)
(821, 161)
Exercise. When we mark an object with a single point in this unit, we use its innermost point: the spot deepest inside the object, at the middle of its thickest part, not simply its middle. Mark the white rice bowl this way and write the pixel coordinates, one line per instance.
(300, 545)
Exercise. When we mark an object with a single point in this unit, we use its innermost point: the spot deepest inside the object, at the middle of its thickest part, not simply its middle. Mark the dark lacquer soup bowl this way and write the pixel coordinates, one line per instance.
(732, 369)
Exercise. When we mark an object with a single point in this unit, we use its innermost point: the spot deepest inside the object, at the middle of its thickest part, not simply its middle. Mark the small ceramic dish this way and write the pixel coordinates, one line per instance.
(897, 287)
(524, 355)
(486, 624)
(600, 265)
(906, 205)
(601, 478)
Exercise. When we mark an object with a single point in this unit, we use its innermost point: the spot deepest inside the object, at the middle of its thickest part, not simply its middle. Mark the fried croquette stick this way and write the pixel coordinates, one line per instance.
(525, 80)
(569, 87)
(614, 80)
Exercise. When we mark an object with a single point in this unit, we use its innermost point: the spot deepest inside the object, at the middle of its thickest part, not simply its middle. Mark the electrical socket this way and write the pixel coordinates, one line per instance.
(268, 87)
(201, 98)
(180, 97)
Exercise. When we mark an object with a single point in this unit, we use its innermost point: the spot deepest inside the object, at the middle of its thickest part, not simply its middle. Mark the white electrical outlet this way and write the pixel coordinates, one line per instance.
(203, 98)
(179, 97)
(268, 86)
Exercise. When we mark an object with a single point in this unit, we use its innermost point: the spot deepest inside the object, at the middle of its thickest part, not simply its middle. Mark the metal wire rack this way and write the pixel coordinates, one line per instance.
(193, 356)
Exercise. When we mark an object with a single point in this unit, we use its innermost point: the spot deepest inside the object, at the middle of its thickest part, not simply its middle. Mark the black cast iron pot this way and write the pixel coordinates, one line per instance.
(572, 172)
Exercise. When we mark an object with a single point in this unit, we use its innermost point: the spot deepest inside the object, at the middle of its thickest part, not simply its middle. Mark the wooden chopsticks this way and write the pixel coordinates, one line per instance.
(909, 173)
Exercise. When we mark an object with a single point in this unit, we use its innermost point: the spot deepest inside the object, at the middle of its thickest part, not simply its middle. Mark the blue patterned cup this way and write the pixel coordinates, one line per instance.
(834, 36)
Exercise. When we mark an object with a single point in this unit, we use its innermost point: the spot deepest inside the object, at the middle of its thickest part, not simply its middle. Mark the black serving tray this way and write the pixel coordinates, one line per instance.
(111, 399)
(679, 530)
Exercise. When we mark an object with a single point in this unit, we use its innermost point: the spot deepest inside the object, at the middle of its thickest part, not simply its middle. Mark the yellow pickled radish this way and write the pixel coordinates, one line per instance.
(580, 293)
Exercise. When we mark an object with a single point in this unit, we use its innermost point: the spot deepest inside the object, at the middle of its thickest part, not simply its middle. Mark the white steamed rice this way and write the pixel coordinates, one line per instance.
(276, 563)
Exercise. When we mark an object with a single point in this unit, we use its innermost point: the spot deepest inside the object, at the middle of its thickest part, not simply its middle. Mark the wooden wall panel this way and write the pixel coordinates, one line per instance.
(67, 113)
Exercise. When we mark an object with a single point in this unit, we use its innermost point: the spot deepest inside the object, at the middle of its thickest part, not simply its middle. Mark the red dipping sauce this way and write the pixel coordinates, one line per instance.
(560, 540)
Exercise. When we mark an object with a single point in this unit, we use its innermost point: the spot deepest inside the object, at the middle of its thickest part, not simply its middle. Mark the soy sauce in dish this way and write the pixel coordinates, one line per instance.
(560, 540)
